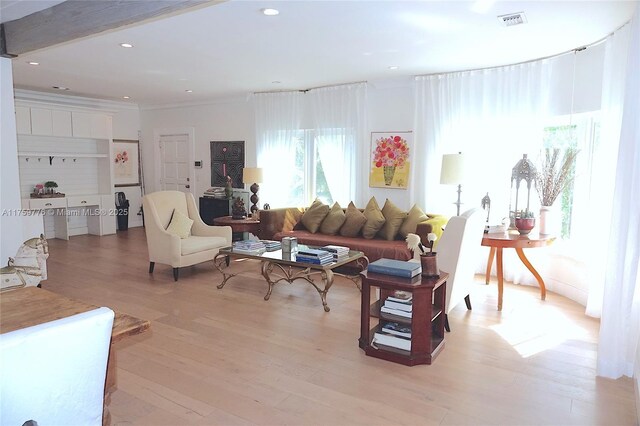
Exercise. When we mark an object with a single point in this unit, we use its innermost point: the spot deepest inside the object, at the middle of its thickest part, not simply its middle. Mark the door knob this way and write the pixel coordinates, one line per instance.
(187, 186)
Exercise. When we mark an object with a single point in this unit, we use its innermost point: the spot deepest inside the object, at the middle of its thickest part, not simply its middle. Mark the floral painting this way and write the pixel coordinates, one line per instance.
(126, 163)
(390, 159)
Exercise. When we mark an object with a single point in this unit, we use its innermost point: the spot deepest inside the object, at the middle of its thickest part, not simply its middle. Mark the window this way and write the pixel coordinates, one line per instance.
(310, 181)
(581, 132)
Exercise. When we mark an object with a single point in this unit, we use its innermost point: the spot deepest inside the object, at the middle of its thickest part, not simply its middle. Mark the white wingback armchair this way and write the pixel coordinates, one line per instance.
(164, 247)
(457, 254)
(54, 373)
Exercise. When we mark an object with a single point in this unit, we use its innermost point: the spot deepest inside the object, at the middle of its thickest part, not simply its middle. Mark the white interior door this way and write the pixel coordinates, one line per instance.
(176, 152)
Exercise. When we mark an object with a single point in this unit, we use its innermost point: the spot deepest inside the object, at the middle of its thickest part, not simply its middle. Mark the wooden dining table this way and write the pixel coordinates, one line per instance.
(513, 239)
(31, 306)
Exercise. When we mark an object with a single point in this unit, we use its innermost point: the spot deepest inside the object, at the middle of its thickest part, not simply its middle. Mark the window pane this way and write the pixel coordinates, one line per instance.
(322, 187)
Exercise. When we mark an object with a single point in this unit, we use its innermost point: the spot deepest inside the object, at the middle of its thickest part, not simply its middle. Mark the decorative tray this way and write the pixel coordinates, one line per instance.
(56, 195)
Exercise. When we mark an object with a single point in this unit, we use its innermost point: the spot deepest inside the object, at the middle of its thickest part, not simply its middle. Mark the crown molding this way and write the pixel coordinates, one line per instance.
(213, 101)
(68, 101)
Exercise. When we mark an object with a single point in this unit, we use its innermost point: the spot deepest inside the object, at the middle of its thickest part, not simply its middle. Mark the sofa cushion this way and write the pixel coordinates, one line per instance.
(180, 224)
(375, 219)
(333, 221)
(393, 218)
(354, 221)
(409, 225)
(314, 215)
(195, 244)
(374, 249)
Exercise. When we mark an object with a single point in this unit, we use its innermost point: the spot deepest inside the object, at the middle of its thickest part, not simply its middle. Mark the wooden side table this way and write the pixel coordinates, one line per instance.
(427, 320)
(239, 226)
(513, 239)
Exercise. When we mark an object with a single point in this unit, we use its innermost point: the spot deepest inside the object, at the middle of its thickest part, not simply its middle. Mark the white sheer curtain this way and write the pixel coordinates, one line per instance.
(603, 174)
(338, 115)
(495, 116)
(620, 323)
(277, 124)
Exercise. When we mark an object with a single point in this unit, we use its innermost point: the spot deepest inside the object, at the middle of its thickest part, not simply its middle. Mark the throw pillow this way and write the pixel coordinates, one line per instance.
(393, 218)
(180, 224)
(375, 219)
(354, 221)
(314, 215)
(333, 221)
(410, 224)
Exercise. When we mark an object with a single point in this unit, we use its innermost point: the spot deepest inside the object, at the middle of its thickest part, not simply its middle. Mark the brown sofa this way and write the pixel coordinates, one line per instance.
(285, 222)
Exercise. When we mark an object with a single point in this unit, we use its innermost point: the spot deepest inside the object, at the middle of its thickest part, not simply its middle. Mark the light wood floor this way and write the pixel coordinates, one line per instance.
(227, 357)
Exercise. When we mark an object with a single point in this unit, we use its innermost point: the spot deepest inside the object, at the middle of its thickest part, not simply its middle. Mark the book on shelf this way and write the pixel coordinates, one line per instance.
(396, 312)
(397, 329)
(398, 268)
(400, 296)
(390, 340)
(401, 306)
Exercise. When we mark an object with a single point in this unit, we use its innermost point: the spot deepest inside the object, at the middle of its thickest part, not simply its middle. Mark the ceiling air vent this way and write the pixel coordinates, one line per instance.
(513, 19)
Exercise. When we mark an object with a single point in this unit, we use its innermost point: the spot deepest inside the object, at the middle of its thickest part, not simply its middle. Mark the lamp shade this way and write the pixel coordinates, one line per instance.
(453, 169)
(252, 175)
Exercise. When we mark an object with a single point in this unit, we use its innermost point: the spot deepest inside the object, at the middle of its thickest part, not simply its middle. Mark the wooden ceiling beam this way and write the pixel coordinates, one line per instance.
(74, 19)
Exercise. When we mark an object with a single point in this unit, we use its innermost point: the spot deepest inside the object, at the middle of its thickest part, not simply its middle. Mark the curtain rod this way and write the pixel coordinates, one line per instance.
(311, 88)
(557, 55)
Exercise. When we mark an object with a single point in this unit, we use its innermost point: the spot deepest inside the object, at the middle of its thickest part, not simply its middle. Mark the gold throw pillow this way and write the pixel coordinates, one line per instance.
(393, 220)
(410, 224)
(333, 221)
(354, 221)
(375, 219)
(314, 215)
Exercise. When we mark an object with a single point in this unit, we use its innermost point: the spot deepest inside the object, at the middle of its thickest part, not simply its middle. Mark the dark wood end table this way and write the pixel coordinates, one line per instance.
(239, 226)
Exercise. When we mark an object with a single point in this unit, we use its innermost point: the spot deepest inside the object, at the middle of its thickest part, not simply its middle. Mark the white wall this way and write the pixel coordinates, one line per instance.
(10, 225)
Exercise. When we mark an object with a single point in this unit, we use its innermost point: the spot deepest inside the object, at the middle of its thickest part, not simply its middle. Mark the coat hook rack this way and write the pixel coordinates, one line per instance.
(27, 159)
(64, 159)
(74, 160)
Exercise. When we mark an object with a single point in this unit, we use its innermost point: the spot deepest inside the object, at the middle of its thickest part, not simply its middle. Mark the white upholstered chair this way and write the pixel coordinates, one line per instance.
(169, 249)
(54, 373)
(457, 254)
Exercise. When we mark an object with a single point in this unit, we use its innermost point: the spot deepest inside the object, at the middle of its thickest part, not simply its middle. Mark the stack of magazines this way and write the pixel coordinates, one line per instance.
(215, 192)
(400, 305)
(394, 330)
(249, 247)
(315, 256)
(339, 253)
(271, 245)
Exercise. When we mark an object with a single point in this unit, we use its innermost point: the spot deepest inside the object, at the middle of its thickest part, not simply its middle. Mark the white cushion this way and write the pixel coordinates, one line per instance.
(195, 244)
(180, 224)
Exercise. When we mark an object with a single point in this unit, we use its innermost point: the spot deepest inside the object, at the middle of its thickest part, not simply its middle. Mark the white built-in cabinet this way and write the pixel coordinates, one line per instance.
(73, 148)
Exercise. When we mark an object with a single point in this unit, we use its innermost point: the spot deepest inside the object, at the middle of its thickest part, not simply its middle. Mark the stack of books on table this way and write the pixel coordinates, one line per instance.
(249, 247)
(215, 192)
(315, 256)
(271, 245)
(339, 252)
(397, 268)
(393, 333)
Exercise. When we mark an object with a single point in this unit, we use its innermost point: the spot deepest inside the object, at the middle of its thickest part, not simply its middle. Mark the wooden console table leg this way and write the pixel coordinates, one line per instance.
(500, 277)
(492, 254)
(523, 258)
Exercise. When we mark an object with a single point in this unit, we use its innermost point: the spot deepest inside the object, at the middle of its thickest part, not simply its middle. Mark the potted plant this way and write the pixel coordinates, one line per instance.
(427, 259)
(50, 186)
(555, 173)
(525, 221)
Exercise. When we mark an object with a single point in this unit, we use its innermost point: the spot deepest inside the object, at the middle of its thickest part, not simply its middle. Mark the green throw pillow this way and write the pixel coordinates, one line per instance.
(354, 221)
(314, 215)
(393, 218)
(375, 219)
(333, 221)
(416, 215)
(180, 224)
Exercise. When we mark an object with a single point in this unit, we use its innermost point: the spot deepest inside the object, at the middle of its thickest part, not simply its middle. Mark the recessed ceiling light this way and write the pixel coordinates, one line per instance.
(126, 45)
(270, 12)
(60, 87)
(394, 67)
(125, 97)
(189, 91)
(276, 82)
(33, 63)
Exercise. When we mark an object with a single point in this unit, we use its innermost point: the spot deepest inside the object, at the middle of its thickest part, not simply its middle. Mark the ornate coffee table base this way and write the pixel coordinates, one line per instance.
(289, 274)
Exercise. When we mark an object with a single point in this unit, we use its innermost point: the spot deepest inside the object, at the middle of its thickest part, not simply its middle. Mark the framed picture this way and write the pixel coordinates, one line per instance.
(227, 159)
(390, 159)
(126, 162)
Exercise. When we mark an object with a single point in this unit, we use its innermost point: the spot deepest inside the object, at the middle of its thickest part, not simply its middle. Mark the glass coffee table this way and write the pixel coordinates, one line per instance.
(278, 266)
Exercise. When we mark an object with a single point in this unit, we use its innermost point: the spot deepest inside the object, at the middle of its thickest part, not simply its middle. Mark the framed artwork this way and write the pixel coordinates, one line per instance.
(227, 159)
(126, 159)
(390, 159)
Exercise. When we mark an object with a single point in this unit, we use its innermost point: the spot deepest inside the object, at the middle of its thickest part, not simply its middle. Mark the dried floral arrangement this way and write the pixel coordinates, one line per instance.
(554, 174)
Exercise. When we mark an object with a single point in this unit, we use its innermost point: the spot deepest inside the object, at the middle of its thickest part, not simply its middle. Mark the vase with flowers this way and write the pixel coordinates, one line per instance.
(555, 174)
(390, 152)
(427, 258)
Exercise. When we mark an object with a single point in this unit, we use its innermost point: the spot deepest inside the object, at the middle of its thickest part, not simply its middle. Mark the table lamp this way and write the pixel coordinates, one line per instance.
(452, 173)
(253, 176)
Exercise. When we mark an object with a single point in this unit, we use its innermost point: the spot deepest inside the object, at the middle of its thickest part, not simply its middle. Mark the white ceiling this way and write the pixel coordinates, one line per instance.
(232, 49)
